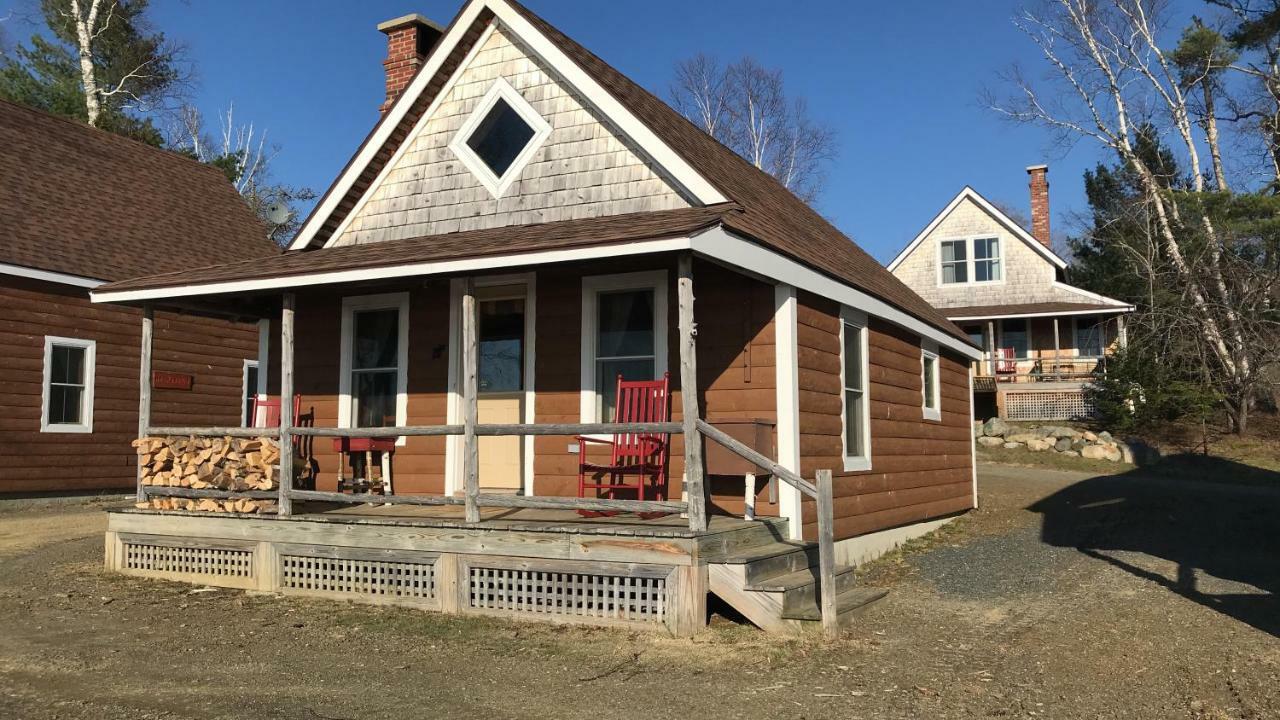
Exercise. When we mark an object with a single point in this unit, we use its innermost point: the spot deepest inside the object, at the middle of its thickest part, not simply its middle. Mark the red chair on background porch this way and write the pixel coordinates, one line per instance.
(270, 407)
(642, 456)
(1006, 364)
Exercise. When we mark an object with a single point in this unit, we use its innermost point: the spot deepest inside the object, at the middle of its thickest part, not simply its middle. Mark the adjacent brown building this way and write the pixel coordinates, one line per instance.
(80, 207)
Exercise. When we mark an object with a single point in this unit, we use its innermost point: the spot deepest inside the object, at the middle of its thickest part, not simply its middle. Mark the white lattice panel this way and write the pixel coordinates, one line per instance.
(210, 562)
(1048, 405)
(363, 578)
(544, 592)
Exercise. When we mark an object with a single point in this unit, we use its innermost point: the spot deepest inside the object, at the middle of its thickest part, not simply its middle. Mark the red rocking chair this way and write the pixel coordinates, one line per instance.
(270, 407)
(639, 455)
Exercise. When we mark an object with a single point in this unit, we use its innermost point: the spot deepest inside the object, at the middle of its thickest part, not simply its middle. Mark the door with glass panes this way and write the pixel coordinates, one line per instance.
(501, 382)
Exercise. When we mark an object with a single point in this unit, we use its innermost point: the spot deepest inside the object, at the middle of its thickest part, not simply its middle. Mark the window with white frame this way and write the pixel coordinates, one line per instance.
(986, 260)
(249, 392)
(373, 385)
(1013, 335)
(966, 261)
(624, 333)
(931, 402)
(955, 262)
(499, 137)
(67, 397)
(855, 405)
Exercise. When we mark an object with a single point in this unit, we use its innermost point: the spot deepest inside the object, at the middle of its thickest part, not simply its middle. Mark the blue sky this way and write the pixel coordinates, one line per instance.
(899, 82)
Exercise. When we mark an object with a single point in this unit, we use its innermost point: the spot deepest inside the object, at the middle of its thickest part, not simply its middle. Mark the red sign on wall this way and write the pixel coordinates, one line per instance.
(171, 380)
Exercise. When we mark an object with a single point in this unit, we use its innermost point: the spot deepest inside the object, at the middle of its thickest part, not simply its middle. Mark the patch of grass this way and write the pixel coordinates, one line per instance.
(1022, 457)
(890, 568)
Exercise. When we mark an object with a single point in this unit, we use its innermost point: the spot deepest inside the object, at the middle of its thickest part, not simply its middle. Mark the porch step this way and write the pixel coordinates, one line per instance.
(847, 603)
(775, 585)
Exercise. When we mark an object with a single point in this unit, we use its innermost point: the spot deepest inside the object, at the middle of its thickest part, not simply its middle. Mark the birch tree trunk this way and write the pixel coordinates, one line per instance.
(86, 27)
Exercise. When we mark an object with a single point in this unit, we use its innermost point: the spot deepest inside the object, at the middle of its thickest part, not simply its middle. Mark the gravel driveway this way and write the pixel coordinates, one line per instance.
(1063, 596)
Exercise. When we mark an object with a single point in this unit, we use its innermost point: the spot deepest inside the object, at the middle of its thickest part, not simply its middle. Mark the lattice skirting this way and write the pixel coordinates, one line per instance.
(224, 563)
(1071, 404)
(565, 591)
(399, 577)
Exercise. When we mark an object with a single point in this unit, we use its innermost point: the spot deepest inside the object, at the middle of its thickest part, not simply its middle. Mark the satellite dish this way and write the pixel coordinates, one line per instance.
(278, 213)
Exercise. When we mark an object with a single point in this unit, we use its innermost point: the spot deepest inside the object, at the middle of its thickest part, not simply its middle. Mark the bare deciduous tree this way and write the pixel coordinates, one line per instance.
(745, 106)
(90, 23)
(1111, 79)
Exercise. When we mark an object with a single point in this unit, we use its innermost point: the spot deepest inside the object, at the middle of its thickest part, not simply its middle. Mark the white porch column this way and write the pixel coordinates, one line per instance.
(470, 407)
(144, 386)
(287, 419)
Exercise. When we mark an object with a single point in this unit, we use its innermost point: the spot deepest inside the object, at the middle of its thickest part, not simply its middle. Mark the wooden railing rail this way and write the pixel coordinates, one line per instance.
(236, 432)
(821, 492)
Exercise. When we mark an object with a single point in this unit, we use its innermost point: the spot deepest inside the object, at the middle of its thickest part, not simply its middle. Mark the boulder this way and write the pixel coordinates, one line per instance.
(1071, 453)
(1045, 431)
(1065, 433)
(977, 428)
(1093, 452)
(1022, 437)
(1113, 453)
(1078, 444)
(1063, 445)
(995, 427)
(1011, 445)
(990, 441)
(1089, 437)
(1105, 437)
(1039, 444)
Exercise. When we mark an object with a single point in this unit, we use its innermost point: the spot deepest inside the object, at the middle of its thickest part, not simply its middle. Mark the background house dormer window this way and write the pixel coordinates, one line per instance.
(966, 261)
(500, 137)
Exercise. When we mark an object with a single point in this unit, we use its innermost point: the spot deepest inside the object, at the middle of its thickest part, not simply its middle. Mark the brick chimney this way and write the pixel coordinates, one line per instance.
(1040, 203)
(409, 39)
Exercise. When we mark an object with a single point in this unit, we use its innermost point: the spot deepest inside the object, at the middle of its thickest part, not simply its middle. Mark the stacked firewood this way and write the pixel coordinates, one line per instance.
(218, 463)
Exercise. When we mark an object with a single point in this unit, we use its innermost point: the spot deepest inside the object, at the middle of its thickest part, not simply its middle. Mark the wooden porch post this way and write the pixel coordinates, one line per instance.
(827, 556)
(470, 408)
(991, 347)
(144, 386)
(689, 398)
(286, 404)
(1057, 350)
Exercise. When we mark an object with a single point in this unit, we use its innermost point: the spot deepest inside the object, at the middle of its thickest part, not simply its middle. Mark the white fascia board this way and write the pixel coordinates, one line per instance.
(389, 123)
(380, 273)
(723, 245)
(1068, 313)
(49, 276)
(1092, 295)
(969, 193)
(649, 143)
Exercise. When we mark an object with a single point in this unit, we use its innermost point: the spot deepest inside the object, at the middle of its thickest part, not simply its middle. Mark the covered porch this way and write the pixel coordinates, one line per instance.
(441, 421)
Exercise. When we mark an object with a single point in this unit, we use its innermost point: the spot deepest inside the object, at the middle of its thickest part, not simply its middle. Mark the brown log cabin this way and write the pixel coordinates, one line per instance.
(524, 225)
(82, 207)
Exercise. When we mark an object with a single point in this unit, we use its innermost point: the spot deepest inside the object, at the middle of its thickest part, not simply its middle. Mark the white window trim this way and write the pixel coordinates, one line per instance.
(501, 89)
(592, 286)
(929, 353)
(856, 463)
(90, 370)
(245, 420)
(398, 301)
(970, 261)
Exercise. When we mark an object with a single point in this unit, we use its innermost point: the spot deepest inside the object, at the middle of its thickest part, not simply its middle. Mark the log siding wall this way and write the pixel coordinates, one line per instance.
(213, 351)
(919, 469)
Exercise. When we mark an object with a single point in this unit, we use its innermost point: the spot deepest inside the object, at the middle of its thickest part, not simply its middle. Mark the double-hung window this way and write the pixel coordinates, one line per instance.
(986, 260)
(931, 402)
(965, 261)
(1090, 334)
(67, 397)
(624, 333)
(373, 385)
(955, 262)
(855, 405)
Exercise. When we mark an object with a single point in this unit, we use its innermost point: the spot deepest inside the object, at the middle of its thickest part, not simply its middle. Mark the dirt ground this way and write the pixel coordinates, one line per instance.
(1064, 596)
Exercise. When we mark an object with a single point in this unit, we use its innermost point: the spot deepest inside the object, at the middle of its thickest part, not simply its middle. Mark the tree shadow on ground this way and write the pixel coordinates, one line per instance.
(1221, 538)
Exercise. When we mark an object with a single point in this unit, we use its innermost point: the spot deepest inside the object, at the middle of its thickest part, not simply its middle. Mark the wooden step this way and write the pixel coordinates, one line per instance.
(847, 603)
(762, 533)
(799, 590)
(777, 558)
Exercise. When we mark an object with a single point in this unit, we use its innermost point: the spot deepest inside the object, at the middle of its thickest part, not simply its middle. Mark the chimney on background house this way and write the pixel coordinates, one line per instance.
(409, 39)
(1040, 203)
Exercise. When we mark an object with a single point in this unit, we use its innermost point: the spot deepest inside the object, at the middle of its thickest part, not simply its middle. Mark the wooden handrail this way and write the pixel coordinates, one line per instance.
(490, 430)
(236, 432)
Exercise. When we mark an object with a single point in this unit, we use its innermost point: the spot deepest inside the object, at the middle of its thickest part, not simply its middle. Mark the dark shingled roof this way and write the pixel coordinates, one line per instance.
(82, 201)
(985, 311)
(513, 239)
(770, 214)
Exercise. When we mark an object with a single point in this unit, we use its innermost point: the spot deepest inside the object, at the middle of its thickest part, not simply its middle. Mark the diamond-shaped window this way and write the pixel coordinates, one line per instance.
(500, 137)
